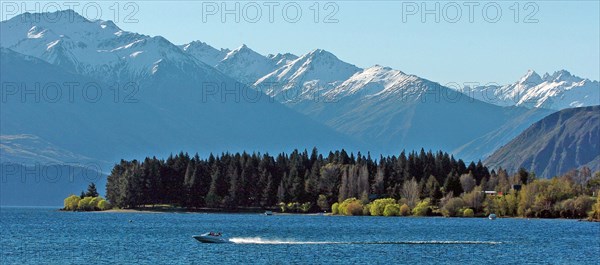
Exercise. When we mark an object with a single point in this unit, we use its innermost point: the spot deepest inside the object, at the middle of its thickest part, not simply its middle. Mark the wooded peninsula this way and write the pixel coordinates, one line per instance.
(418, 183)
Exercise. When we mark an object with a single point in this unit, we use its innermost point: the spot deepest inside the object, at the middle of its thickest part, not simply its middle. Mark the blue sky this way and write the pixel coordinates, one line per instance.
(480, 47)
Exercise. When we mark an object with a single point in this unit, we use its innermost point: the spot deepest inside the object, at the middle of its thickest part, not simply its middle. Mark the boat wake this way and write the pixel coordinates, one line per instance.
(258, 240)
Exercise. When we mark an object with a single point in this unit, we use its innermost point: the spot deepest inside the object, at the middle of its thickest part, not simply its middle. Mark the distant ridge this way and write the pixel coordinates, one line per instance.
(562, 141)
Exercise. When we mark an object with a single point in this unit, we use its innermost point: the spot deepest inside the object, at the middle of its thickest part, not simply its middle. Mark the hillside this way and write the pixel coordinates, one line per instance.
(560, 142)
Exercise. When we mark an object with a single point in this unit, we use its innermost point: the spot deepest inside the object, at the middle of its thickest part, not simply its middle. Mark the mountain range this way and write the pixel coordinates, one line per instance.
(157, 97)
(555, 91)
(176, 102)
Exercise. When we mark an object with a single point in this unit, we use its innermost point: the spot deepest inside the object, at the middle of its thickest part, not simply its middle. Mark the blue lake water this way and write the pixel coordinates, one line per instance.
(46, 236)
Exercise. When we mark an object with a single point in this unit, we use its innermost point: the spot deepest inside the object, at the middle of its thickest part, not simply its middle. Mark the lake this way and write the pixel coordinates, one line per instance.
(46, 236)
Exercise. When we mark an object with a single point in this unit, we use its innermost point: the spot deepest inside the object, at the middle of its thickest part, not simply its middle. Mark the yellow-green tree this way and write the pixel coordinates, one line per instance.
(422, 208)
(351, 206)
(391, 210)
(71, 202)
(468, 212)
(335, 208)
(103, 205)
(378, 206)
(94, 202)
(85, 204)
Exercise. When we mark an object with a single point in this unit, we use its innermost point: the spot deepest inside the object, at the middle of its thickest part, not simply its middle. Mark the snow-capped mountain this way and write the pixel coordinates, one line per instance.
(282, 59)
(307, 77)
(557, 91)
(245, 65)
(395, 110)
(172, 108)
(375, 81)
(204, 52)
(94, 48)
(387, 108)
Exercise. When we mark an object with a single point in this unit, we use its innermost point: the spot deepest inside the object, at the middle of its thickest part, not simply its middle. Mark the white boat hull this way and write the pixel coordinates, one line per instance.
(206, 238)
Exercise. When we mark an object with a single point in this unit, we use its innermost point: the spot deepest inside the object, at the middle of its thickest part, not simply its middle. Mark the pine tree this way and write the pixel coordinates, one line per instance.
(344, 189)
(281, 194)
(267, 194)
(379, 184)
(91, 191)
(452, 184)
(215, 193)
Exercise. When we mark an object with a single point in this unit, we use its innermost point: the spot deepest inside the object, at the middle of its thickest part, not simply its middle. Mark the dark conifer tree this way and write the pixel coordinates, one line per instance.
(91, 191)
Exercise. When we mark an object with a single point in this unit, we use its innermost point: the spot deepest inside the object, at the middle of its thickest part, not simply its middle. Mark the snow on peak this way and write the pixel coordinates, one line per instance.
(530, 79)
(554, 91)
(245, 65)
(96, 48)
(321, 55)
(204, 52)
(375, 81)
(282, 59)
(108, 25)
(307, 77)
(561, 76)
(241, 50)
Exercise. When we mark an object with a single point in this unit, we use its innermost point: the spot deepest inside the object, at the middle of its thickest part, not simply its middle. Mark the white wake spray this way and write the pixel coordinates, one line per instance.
(259, 240)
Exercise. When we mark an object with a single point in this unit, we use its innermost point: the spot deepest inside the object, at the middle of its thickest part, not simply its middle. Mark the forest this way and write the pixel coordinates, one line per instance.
(415, 183)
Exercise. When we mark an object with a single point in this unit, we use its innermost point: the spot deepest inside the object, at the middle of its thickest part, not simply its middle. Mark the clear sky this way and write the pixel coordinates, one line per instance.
(479, 45)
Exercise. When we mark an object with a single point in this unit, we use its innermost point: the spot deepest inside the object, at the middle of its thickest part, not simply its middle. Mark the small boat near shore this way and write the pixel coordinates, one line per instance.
(212, 237)
(492, 217)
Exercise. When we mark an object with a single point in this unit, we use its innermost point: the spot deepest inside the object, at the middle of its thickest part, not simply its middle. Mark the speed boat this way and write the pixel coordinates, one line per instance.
(212, 238)
(492, 217)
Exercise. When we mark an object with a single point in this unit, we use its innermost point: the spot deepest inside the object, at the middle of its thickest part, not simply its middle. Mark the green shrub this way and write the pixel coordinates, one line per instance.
(85, 204)
(293, 206)
(76, 203)
(468, 212)
(391, 210)
(305, 207)
(335, 208)
(354, 208)
(452, 207)
(366, 209)
(71, 203)
(422, 208)
(93, 204)
(351, 206)
(583, 205)
(378, 206)
(103, 205)
(283, 207)
(404, 210)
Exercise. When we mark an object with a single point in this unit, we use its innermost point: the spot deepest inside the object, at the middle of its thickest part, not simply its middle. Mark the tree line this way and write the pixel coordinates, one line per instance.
(572, 195)
(415, 183)
(261, 180)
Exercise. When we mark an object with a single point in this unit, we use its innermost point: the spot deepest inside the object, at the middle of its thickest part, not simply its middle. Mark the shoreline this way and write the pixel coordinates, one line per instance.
(200, 211)
(213, 211)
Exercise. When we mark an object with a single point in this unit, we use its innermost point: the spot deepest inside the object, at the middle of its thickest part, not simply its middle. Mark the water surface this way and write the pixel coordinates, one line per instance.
(46, 236)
